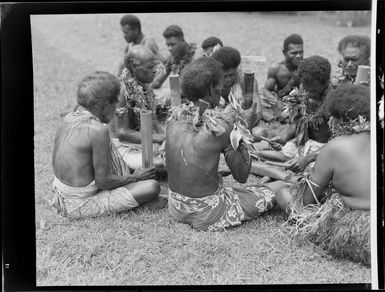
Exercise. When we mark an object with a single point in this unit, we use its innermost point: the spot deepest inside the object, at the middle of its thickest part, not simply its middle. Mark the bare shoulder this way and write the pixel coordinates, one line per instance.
(98, 132)
(274, 68)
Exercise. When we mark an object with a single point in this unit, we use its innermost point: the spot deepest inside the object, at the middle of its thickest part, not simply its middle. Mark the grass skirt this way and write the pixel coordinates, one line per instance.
(337, 228)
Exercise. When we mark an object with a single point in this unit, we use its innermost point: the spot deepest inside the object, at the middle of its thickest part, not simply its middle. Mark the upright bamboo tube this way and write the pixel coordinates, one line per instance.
(175, 90)
(362, 74)
(146, 135)
(248, 80)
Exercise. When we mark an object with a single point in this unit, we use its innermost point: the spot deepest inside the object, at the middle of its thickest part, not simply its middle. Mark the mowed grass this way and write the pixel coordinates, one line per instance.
(146, 247)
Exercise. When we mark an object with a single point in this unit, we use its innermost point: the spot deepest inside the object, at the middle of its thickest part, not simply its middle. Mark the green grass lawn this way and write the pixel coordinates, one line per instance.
(143, 246)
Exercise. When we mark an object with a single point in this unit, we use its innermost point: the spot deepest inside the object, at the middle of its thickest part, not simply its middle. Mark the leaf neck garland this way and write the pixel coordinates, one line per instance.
(135, 96)
(356, 126)
(297, 104)
(207, 120)
(178, 65)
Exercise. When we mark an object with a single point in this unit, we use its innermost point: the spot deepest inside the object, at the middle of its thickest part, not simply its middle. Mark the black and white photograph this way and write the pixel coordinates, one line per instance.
(205, 148)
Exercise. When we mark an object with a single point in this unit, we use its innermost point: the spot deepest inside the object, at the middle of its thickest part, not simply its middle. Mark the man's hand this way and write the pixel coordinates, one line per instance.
(144, 173)
(278, 139)
(297, 164)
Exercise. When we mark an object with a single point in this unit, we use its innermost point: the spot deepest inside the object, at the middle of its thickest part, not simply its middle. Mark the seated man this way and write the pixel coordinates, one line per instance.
(132, 32)
(234, 85)
(342, 223)
(355, 51)
(210, 45)
(196, 135)
(308, 130)
(182, 53)
(282, 77)
(136, 95)
(90, 176)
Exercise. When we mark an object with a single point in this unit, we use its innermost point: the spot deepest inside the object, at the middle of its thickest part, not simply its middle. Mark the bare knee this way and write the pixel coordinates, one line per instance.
(259, 132)
(154, 188)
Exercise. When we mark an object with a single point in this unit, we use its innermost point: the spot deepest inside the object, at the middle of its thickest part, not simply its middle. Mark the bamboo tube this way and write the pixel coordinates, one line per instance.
(175, 91)
(146, 135)
(362, 74)
(248, 80)
(264, 170)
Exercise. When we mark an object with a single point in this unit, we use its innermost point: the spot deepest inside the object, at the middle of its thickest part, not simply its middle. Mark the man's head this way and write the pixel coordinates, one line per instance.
(230, 59)
(98, 93)
(347, 102)
(131, 27)
(314, 73)
(173, 35)
(355, 51)
(140, 61)
(202, 79)
(293, 50)
(210, 45)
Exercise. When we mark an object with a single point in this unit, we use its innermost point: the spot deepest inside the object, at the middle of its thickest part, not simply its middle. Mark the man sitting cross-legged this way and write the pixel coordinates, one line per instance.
(91, 178)
(196, 135)
(308, 130)
(342, 223)
(136, 95)
(282, 77)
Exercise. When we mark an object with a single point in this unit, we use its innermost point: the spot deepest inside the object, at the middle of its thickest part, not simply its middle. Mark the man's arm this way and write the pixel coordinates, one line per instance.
(271, 82)
(320, 175)
(238, 161)
(100, 147)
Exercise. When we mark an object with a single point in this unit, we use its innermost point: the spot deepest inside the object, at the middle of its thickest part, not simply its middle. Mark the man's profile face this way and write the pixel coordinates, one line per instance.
(294, 54)
(208, 52)
(314, 89)
(145, 70)
(215, 93)
(108, 112)
(352, 58)
(129, 33)
(230, 76)
(172, 42)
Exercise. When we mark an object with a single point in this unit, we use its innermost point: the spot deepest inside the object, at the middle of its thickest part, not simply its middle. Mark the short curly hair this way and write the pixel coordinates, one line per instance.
(348, 101)
(173, 31)
(131, 20)
(228, 56)
(314, 68)
(211, 42)
(295, 39)
(97, 88)
(359, 41)
(199, 77)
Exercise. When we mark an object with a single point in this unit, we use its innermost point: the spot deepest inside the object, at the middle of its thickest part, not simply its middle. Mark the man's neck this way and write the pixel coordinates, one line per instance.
(291, 67)
(139, 39)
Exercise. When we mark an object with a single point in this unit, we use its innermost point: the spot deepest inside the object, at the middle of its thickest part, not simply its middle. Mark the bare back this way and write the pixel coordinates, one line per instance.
(192, 159)
(345, 161)
(351, 176)
(72, 154)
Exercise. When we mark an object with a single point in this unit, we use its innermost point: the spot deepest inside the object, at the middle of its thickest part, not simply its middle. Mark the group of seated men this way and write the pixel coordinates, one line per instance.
(97, 151)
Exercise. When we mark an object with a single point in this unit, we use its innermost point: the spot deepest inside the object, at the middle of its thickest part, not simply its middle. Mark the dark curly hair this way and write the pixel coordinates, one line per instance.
(173, 31)
(97, 88)
(359, 41)
(295, 39)
(131, 20)
(199, 77)
(211, 42)
(348, 101)
(228, 56)
(314, 68)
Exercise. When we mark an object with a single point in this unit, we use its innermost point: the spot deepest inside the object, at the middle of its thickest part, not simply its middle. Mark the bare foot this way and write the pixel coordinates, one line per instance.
(157, 204)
